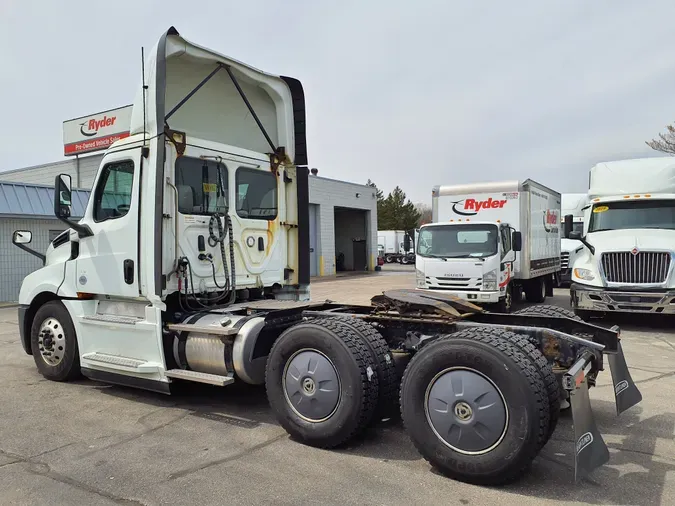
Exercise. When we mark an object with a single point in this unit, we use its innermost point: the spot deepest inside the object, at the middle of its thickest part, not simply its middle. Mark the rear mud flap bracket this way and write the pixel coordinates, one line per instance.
(590, 451)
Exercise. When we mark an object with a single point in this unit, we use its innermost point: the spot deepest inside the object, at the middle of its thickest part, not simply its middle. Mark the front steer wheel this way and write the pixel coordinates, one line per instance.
(321, 382)
(475, 408)
(54, 343)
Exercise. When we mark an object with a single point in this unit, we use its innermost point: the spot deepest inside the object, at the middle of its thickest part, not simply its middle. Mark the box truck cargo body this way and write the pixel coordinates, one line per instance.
(490, 242)
(627, 262)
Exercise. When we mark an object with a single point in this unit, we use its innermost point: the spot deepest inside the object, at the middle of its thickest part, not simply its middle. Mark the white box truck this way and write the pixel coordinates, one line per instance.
(629, 238)
(572, 204)
(489, 242)
(391, 245)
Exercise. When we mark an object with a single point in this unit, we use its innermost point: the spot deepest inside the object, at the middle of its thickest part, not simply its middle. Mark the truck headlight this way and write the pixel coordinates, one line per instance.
(421, 282)
(584, 274)
(490, 280)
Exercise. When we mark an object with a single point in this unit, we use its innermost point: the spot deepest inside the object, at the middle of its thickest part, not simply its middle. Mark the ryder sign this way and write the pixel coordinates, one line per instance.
(95, 132)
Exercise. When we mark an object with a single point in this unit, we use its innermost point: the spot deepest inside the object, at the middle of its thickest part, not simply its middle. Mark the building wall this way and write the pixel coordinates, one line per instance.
(331, 193)
(15, 264)
(46, 173)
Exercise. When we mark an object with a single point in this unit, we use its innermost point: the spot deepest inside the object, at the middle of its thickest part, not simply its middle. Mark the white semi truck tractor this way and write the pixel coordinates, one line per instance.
(191, 264)
(489, 242)
(572, 204)
(627, 261)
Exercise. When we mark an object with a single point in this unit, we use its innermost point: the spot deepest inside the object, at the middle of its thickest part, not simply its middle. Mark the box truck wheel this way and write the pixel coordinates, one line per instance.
(321, 383)
(535, 290)
(506, 303)
(54, 343)
(475, 407)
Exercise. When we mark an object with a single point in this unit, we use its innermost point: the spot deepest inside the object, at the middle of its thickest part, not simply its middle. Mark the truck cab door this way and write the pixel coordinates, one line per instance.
(107, 263)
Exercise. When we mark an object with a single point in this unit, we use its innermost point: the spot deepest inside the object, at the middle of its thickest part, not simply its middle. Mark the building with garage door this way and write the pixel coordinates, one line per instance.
(343, 215)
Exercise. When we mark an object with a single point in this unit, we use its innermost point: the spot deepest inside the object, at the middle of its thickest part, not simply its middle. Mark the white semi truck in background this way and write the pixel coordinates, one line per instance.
(191, 264)
(572, 204)
(489, 242)
(396, 245)
(627, 261)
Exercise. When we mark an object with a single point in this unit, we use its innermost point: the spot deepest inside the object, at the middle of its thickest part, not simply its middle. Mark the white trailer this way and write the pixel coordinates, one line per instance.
(572, 204)
(191, 263)
(627, 263)
(390, 242)
(490, 242)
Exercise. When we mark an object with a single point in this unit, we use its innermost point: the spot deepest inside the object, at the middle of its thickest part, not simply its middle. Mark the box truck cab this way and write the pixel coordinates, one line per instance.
(489, 242)
(572, 204)
(626, 264)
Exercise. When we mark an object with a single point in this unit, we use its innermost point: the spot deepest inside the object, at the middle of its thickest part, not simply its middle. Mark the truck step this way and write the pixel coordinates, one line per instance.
(118, 362)
(112, 318)
(203, 329)
(200, 377)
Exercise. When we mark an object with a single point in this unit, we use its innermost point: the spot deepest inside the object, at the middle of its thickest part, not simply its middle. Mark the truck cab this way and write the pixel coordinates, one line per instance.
(473, 260)
(572, 204)
(626, 264)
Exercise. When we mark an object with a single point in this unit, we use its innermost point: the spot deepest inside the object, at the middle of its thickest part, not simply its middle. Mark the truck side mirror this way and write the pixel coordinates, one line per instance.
(22, 237)
(567, 226)
(62, 196)
(516, 241)
(406, 243)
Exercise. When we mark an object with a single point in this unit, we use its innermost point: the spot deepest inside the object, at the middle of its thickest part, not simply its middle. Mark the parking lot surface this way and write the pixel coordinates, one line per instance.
(93, 444)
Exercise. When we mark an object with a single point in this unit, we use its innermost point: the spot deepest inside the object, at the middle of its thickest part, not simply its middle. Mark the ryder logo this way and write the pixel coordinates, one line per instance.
(93, 125)
(471, 207)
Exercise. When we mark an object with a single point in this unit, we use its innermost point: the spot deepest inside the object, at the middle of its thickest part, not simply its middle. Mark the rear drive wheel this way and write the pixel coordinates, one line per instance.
(535, 291)
(321, 382)
(54, 343)
(475, 407)
(385, 368)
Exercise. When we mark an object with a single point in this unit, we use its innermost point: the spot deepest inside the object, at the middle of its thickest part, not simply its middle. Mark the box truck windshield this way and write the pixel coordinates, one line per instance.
(658, 214)
(458, 241)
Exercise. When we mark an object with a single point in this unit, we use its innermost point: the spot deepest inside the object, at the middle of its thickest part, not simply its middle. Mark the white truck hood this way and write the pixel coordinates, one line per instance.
(626, 240)
(568, 245)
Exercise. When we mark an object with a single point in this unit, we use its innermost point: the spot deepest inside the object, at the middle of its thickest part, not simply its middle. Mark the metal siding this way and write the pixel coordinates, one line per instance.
(36, 201)
(314, 240)
(15, 264)
(45, 174)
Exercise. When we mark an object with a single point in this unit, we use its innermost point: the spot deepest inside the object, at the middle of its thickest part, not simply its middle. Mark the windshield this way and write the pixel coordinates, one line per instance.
(633, 214)
(458, 241)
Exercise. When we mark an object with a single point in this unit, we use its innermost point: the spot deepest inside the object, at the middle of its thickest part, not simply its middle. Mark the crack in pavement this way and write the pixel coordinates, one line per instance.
(42, 469)
(664, 341)
(248, 451)
(136, 436)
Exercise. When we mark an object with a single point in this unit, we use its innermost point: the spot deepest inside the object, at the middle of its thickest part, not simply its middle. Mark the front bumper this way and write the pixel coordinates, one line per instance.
(590, 298)
(474, 296)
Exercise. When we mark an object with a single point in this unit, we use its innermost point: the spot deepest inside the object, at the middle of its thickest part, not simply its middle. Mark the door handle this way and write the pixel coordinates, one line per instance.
(128, 271)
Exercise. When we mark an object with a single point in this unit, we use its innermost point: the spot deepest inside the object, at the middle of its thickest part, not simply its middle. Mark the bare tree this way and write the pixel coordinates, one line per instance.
(666, 141)
(425, 214)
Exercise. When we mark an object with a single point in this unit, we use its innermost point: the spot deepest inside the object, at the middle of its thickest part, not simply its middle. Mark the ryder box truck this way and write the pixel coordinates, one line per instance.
(489, 242)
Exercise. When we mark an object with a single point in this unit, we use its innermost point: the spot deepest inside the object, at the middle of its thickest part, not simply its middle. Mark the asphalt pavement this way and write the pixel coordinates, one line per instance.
(94, 444)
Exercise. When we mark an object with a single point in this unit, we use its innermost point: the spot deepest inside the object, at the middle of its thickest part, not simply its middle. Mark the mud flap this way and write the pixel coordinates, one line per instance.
(626, 393)
(590, 450)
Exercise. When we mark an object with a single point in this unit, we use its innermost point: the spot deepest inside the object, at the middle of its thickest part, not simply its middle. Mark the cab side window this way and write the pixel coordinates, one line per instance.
(505, 238)
(112, 197)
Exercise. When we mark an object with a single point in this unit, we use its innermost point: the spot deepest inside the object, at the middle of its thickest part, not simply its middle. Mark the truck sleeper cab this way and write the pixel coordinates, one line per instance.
(192, 264)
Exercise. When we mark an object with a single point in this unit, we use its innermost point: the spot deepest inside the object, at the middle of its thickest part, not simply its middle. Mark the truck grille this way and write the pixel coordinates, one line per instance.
(564, 260)
(645, 267)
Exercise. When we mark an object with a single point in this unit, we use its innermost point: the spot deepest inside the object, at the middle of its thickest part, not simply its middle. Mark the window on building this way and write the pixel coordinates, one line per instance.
(256, 194)
(202, 186)
(112, 198)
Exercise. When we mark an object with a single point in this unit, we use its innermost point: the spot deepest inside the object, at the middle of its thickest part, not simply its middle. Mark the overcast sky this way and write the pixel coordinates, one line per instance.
(409, 93)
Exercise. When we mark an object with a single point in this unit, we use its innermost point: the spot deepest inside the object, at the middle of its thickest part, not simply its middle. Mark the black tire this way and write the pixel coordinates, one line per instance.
(505, 305)
(58, 339)
(358, 383)
(583, 314)
(535, 291)
(545, 369)
(520, 385)
(385, 368)
(548, 310)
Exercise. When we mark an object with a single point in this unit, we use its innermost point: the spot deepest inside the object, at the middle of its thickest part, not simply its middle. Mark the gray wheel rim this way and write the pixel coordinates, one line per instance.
(52, 341)
(508, 300)
(311, 385)
(466, 411)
